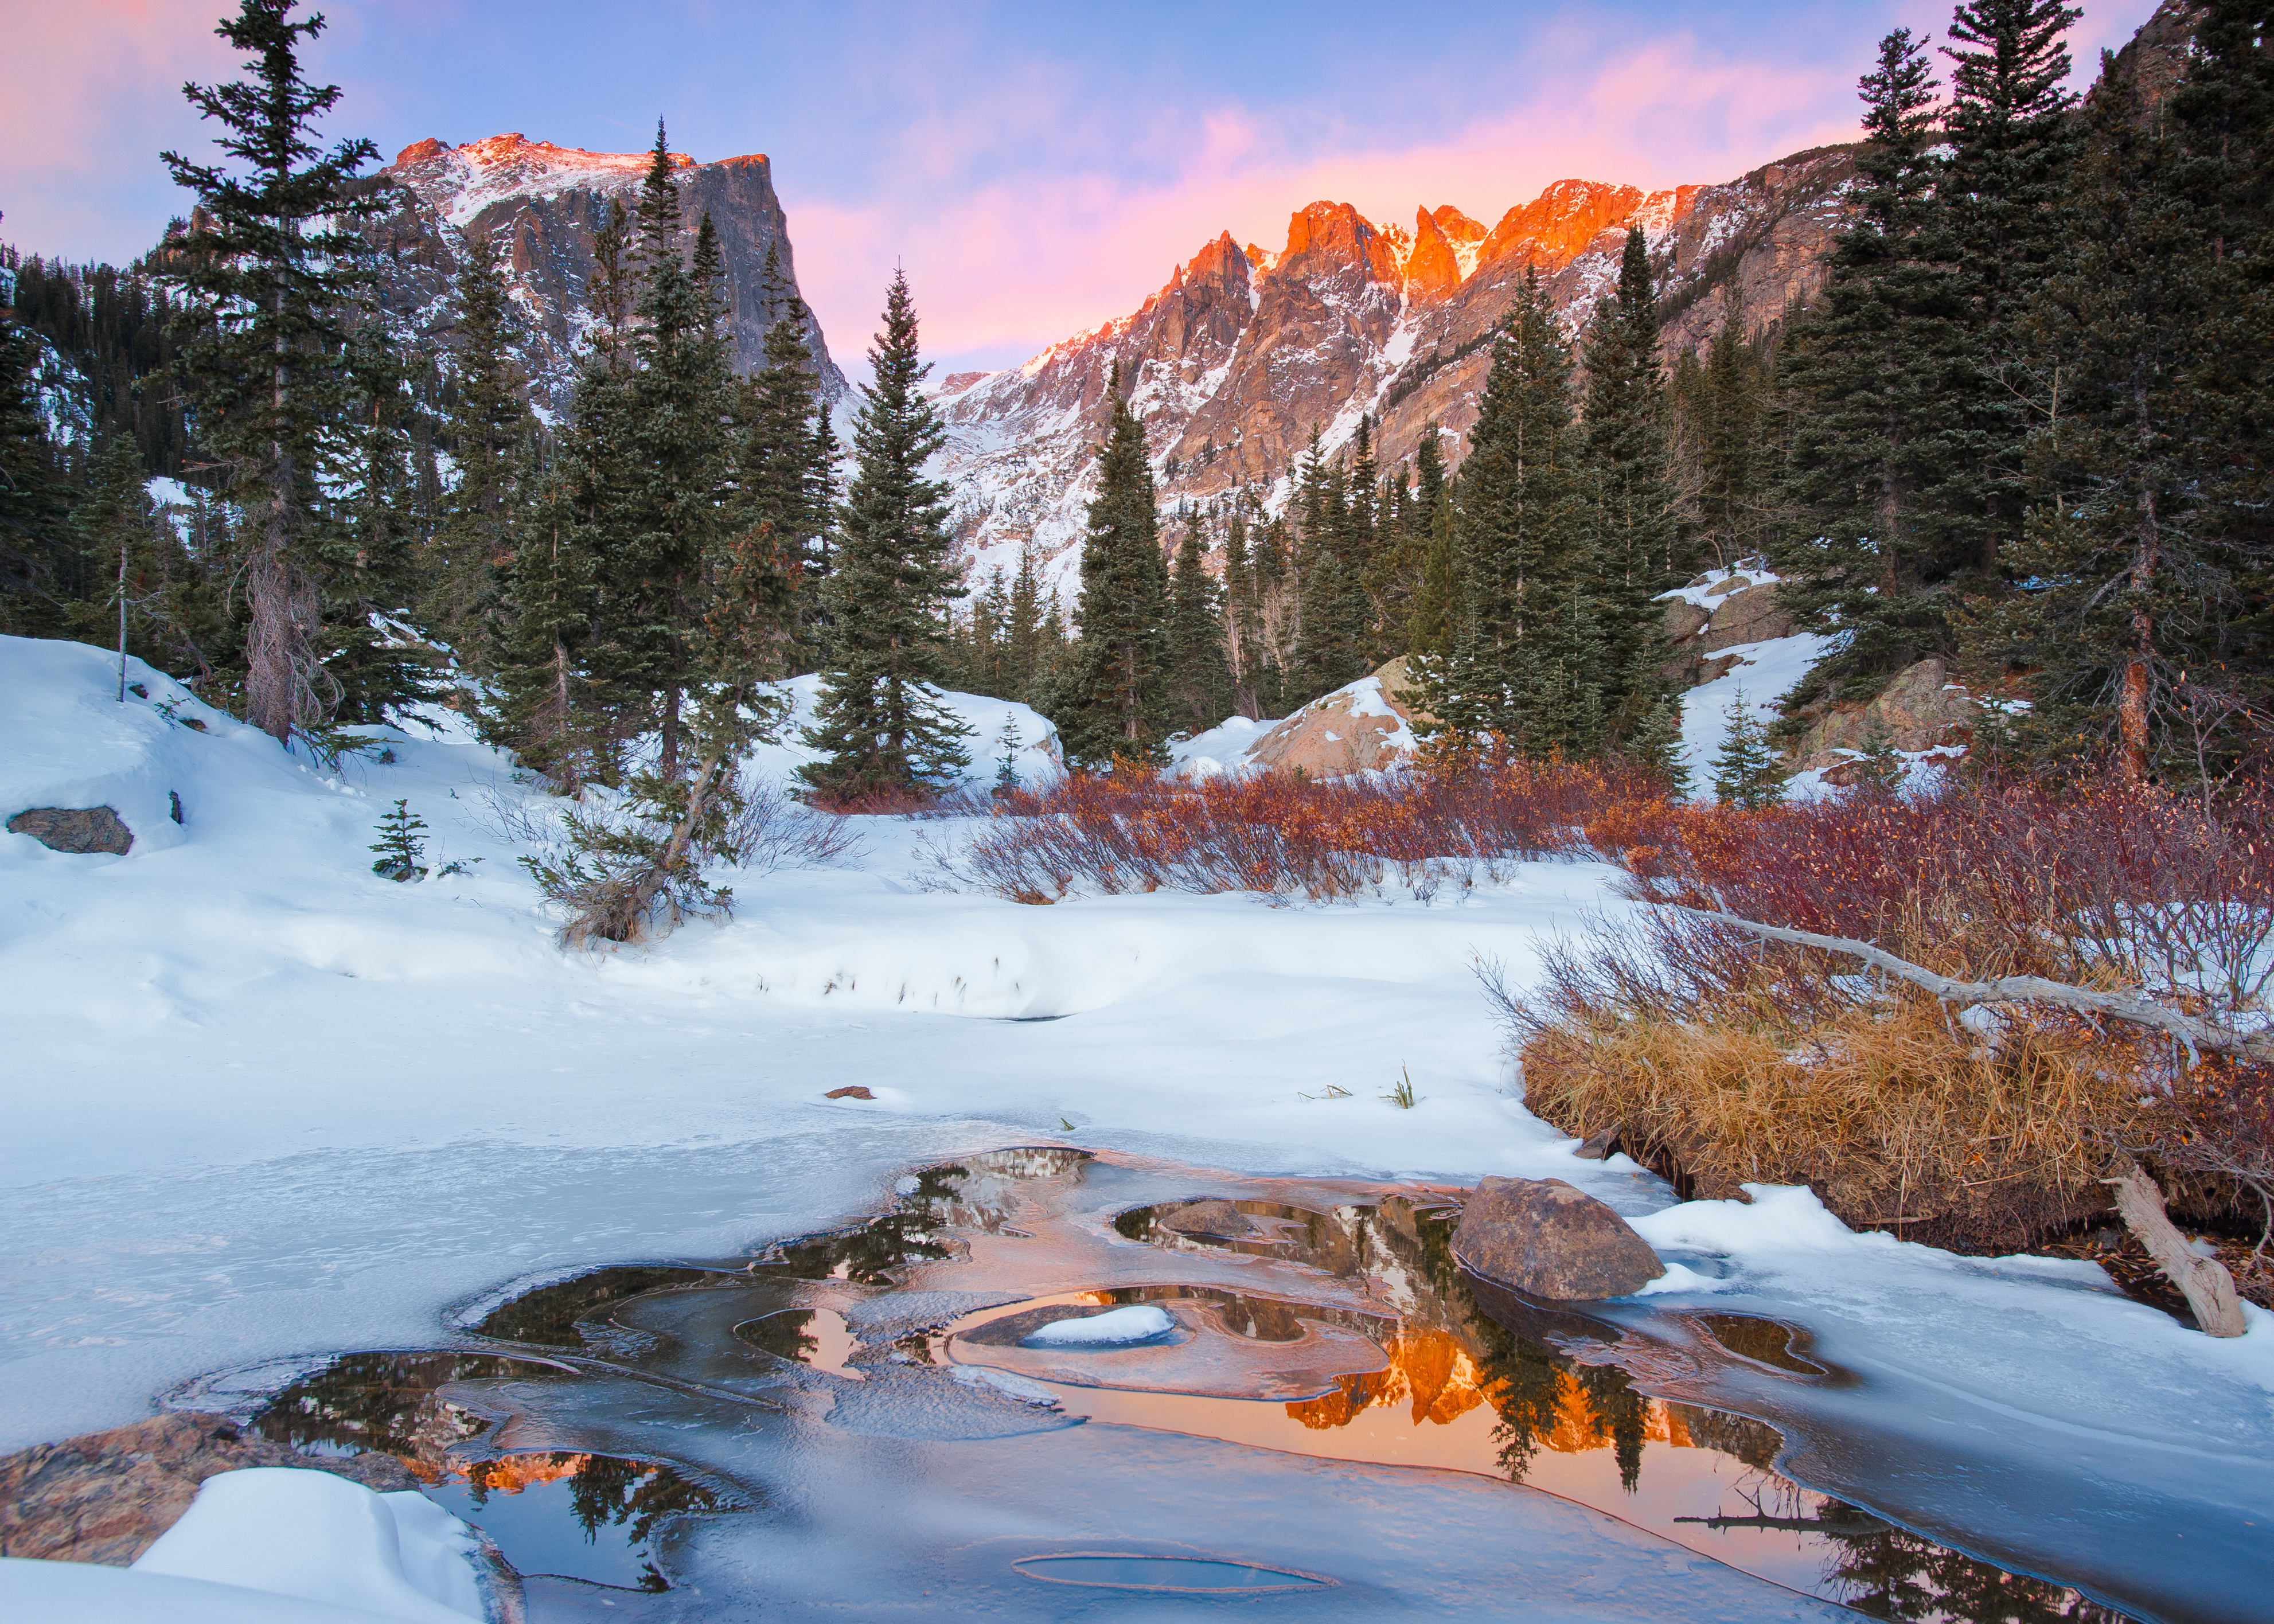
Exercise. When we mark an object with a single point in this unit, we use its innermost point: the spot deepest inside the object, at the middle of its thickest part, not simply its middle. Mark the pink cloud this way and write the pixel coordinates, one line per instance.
(1018, 263)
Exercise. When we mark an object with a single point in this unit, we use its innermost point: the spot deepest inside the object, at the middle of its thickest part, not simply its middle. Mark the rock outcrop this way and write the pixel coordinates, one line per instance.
(542, 205)
(1921, 709)
(1362, 727)
(106, 1496)
(1220, 1219)
(1244, 351)
(1547, 1239)
(77, 830)
(1718, 611)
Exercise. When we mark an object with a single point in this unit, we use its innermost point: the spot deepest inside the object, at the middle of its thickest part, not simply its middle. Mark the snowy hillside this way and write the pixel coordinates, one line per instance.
(268, 1105)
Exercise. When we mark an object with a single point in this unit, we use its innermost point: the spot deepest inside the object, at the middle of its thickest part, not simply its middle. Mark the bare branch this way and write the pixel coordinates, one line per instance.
(2130, 1005)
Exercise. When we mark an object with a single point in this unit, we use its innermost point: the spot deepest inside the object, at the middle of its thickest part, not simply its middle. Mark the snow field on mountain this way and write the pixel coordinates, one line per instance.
(265, 1105)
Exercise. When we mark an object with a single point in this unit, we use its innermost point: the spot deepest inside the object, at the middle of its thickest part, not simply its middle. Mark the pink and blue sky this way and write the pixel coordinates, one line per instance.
(1036, 167)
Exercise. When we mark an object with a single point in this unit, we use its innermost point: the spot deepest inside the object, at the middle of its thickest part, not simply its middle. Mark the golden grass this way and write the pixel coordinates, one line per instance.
(1897, 1117)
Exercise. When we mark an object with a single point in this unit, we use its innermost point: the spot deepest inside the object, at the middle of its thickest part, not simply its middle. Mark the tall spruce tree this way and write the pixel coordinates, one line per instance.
(1116, 705)
(1525, 667)
(1884, 480)
(2141, 567)
(2010, 133)
(272, 271)
(882, 729)
(786, 470)
(489, 424)
(1197, 682)
(37, 559)
(1631, 486)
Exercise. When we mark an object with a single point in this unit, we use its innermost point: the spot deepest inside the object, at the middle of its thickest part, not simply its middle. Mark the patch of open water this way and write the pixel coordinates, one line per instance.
(702, 1424)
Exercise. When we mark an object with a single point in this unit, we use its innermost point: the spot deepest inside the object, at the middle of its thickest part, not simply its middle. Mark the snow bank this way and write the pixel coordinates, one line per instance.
(1764, 674)
(1223, 749)
(273, 1543)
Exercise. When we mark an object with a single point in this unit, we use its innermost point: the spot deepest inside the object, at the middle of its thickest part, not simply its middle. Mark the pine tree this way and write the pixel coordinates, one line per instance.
(543, 710)
(1744, 769)
(1654, 745)
(488, 422)
(1884, 474)
(1631, 487)
(883, 732)
(1526, 662)
(271, 268)
(2009, 128)
(2141, 566)
(1026, 643)
(35, 497)
(1115, 709)
(1197, 681)
(785, 472)
(366, 574)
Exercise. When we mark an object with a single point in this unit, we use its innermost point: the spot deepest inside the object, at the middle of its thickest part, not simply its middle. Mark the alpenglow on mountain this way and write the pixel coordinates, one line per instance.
(1234, 362)
(543, 204)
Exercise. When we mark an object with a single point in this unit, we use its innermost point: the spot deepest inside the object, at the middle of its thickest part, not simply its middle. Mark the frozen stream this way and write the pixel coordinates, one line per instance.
(1298, 1403)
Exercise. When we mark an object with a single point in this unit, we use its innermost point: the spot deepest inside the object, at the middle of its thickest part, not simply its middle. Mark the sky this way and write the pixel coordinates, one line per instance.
(1036, 168)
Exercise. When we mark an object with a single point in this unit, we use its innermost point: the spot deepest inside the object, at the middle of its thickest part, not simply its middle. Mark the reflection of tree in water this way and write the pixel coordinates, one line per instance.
(782, 1334)
(605, 1492)
(382, 1401)
(910, 1233)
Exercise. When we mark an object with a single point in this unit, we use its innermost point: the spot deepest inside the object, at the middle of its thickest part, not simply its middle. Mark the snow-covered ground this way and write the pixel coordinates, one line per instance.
(262, 1103)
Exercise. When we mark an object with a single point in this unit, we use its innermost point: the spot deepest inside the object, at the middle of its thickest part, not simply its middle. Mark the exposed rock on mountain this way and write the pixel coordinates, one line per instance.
(1245, 352)
(543, 204)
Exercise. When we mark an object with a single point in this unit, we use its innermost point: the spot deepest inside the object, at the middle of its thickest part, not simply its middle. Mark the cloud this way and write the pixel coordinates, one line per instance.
(1005, 265)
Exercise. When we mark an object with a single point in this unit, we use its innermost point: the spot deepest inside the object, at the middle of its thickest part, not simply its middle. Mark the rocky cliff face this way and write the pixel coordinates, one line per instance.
(1243, 352)
(542, 204)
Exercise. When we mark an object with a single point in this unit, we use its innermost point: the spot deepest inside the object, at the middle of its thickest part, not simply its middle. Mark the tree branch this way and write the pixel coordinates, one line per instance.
(2130, 1005)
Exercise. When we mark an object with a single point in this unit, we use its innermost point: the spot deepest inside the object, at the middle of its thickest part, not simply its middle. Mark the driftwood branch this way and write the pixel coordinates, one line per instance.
(2203, 1281)
(2137, 1007)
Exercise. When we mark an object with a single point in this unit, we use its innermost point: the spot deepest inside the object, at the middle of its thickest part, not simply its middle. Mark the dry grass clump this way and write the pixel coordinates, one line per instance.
(1897, 1115)
(1730, 1059)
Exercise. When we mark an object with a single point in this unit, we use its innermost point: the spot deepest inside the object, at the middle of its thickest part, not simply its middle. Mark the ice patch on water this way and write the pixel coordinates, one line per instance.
(1119, 1327)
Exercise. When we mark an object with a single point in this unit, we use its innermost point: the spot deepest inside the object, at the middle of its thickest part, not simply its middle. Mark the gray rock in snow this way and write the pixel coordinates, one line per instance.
(1547, 1240)
(77, 830)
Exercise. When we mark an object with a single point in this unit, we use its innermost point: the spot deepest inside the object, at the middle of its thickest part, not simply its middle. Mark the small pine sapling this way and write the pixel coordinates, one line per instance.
(401, 845)
(1745, 771)
(1008, 743)
(1881, 768)
(1656, 746)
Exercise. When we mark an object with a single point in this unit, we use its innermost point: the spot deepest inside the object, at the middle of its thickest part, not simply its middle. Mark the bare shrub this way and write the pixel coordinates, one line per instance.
(770, 830)
(1285, 834)
(1730, 1058)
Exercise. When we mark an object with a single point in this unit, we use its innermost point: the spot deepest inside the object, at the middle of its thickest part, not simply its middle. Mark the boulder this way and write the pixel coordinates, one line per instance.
(77, 830)
(1547, 1240)
(1921, 708)
(106, 1496)
(1217, 1218)
(1361, 727)
(1741, 610)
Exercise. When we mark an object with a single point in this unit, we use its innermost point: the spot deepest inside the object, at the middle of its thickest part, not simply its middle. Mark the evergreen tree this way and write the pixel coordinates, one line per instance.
(1527, 663)
(1729, 475)
(676, 476)
(1632, 488)
(786, 469)
(1116, 706)
(38, 564)
(1436, 609)
(272, 269)
(1028, 642)
(884, 731)
(2141, 563)
(543, 710)
(1884, 475)
(1197, 681)
(488, 423)
(1745, 768)
(1654, 745)
(367, 572)
(2009, 130)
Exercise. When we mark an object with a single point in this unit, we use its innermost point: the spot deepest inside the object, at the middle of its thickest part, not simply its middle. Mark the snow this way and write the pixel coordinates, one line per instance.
(265, 1105)
(254, 1540)
(1117, 1328)
(1222, 749)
